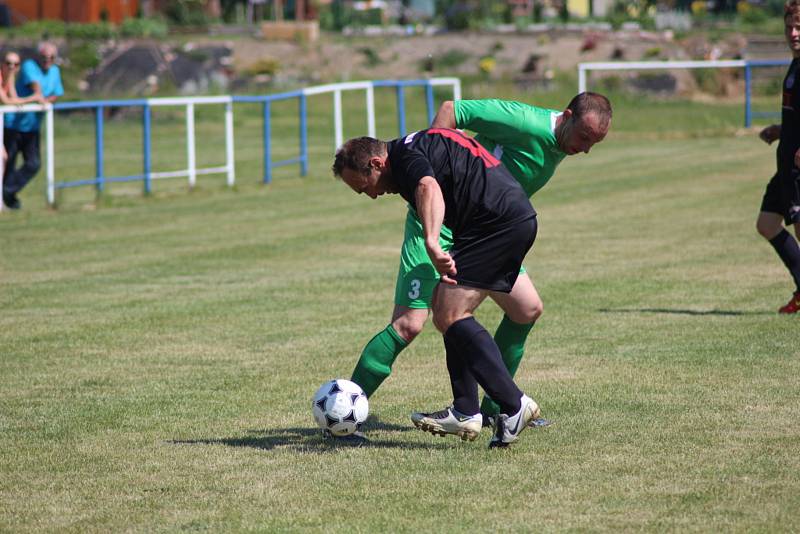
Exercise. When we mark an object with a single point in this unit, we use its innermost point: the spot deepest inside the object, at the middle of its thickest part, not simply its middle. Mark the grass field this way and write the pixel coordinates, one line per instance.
(158, 354)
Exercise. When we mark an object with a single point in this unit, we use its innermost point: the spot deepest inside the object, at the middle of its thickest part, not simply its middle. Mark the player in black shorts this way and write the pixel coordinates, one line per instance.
(449, 178)
(781, 203)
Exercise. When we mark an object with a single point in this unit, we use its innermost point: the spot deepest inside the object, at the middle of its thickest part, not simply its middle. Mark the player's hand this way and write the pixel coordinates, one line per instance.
(443, 262)
(770, 133)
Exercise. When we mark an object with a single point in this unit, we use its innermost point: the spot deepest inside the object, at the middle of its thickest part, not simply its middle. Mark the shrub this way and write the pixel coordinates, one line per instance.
(186, 12)
(42, 29)
(143, 27)
(371, 57)
(266, 65)
(450, 59)
(91, 31)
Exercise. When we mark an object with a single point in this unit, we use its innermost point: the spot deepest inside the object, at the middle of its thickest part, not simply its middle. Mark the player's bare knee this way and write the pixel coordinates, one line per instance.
(526, 314)
(443, 319)
(767, 229)
(536, 311)
(408, 327)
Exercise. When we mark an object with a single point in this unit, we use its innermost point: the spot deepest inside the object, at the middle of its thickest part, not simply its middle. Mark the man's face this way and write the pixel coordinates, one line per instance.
(581, 135)
(791, 30)
(372, 184)
(47, 57)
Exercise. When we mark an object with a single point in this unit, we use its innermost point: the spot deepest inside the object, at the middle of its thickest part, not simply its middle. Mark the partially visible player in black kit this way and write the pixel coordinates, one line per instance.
(781, 203)
(448, 177)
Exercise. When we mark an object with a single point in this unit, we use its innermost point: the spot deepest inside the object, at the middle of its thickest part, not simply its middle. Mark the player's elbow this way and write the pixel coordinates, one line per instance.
(446, 116)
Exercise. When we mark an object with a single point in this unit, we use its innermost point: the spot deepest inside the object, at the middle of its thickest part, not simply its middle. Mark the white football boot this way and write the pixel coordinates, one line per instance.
(449, 421)
(508, 427)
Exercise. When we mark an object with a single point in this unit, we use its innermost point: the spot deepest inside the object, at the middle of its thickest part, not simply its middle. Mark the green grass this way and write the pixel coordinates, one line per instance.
(158, 354)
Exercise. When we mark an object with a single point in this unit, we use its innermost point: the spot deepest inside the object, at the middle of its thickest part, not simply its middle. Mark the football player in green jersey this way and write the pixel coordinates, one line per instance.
(530, 142)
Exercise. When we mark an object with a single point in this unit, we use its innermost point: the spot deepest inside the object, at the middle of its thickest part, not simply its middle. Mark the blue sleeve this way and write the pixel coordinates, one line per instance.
(58, 89)
(30, 73)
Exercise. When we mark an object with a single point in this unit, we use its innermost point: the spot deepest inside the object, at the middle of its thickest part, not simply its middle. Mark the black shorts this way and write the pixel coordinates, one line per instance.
(491, 257)
(782, 197)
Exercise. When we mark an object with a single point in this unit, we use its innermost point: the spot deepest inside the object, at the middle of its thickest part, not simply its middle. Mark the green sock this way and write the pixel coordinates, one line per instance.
(375, 364)
(510, 338)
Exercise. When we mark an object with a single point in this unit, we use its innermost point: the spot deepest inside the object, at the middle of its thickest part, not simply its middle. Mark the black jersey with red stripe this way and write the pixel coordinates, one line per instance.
(790, 118)
(477, 188)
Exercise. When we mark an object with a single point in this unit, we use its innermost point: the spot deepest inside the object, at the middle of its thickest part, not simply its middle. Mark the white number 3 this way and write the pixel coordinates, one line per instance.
(414, 293)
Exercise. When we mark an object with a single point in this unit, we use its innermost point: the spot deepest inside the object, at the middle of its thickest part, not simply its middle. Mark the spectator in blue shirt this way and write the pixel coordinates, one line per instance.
(40, 78)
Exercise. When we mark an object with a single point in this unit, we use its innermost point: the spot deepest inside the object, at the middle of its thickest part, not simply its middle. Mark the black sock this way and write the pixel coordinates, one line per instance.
(787, 248)
(464, 385)
(474, 348)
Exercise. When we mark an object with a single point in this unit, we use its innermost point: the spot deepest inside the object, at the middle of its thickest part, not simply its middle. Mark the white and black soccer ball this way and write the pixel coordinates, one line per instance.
(340, 406)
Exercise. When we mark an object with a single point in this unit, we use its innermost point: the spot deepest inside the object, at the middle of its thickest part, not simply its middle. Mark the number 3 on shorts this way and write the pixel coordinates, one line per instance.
(415, 285)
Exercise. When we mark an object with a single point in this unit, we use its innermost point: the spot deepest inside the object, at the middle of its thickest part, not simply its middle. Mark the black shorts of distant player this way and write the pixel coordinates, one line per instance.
(781, 196)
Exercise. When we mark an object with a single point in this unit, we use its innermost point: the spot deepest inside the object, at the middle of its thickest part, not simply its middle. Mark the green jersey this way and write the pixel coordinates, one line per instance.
(520, 135)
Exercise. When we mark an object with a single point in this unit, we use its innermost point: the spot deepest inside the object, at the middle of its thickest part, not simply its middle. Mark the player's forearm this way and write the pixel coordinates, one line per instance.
(446, 116)
(430, 208)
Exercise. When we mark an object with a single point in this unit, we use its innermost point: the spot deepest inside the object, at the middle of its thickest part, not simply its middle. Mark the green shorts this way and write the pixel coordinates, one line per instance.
(417, 276)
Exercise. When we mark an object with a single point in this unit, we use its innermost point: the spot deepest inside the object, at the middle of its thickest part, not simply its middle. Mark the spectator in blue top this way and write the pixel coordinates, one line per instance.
(41, 78)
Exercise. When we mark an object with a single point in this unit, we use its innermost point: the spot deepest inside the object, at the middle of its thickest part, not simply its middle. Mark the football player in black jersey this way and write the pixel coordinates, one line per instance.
(449, 178)
(781, 203)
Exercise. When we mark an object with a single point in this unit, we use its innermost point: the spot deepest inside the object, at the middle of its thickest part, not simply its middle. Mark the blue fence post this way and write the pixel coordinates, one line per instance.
(146, 146)
(267, 155)
(748, 86)
(303, 136)
(98, 149)
(429, 101)
(401, 109)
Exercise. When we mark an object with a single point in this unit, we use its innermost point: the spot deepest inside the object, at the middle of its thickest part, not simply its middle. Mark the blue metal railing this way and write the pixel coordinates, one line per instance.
(101, 178)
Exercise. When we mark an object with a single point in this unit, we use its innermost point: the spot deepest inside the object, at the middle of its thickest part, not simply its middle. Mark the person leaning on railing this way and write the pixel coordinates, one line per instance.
(39, 81)
(8, 93)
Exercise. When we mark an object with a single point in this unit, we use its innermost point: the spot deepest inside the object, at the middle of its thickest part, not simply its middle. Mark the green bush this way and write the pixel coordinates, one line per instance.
(367, 17)
(47, 29)
(144, 27)
(371, 57)
(754, 15)
(266, 65)
(450, 59)
(91, 31)
(707, 81)
(41, 29)
(186, 12)
(83, 56)
(334, 17)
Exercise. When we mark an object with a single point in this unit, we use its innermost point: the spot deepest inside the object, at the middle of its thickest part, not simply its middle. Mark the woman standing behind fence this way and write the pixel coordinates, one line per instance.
(8, 93)
(8, 75)
(39, 78)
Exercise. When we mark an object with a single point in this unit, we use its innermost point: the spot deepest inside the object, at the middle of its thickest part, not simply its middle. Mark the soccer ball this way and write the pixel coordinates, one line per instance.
(340, 406)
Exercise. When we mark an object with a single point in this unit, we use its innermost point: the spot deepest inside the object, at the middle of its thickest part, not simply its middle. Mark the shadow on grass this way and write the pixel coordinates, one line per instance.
(732, 313)
(310, 439)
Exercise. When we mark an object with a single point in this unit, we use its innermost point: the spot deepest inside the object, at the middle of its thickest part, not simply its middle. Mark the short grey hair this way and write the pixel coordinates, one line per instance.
(44, 46)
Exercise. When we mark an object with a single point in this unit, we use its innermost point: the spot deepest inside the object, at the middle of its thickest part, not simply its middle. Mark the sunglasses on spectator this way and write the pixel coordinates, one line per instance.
(12, 63)
(51, 58)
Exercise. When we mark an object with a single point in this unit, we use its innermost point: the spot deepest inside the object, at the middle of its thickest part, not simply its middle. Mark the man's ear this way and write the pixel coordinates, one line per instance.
(376, 162)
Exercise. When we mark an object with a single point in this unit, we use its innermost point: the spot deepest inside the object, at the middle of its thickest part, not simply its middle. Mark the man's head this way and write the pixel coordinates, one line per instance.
(584, 123)
(47, 54)
(791, 25)
(363, 164)
(11, 61)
